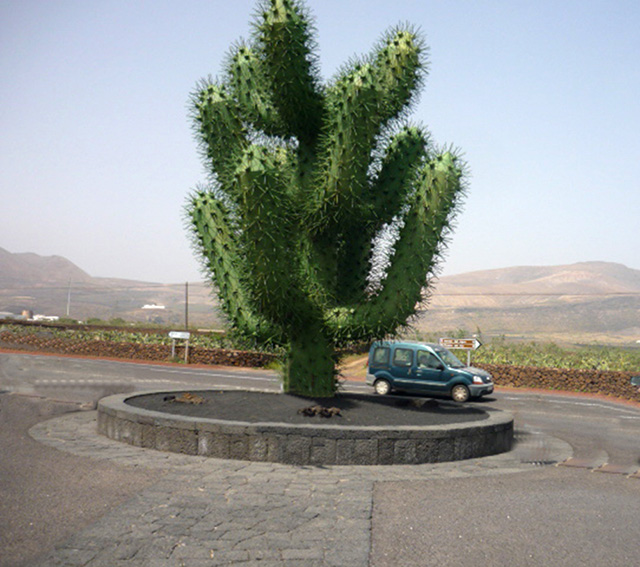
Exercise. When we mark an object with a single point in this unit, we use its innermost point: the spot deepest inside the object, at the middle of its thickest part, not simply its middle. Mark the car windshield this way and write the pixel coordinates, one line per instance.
(450, 359)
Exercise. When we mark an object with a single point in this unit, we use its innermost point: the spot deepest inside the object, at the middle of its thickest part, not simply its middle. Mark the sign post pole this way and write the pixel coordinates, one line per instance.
(180, 335)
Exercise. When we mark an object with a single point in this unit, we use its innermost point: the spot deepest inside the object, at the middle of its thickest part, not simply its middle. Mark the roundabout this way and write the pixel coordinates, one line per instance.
(270, 427)
(352, 515)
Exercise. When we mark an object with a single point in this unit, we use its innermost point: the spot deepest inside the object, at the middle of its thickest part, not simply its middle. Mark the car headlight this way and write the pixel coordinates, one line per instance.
(478, 380)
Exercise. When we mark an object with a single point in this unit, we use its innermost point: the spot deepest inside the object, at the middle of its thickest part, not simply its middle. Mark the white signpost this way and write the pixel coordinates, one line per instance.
(180, 336)
(461, 344)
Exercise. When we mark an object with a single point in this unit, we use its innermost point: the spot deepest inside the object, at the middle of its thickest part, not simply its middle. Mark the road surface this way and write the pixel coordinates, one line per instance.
(574, 514)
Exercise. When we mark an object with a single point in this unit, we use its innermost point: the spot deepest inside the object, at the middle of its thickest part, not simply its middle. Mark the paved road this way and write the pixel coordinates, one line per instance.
(80, 499)
(600, 433)
(85, 381)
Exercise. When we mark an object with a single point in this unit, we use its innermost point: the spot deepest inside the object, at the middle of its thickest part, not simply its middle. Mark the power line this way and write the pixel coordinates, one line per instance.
(563, 294)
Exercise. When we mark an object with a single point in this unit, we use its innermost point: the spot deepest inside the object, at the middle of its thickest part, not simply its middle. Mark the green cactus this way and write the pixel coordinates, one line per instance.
(326, 211)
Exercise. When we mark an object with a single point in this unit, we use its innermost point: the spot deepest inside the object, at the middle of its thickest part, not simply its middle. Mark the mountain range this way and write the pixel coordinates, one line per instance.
(583, 302)
(54, 286)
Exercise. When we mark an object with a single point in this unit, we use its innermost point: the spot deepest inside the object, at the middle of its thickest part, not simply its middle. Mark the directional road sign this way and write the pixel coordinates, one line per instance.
(461, 344)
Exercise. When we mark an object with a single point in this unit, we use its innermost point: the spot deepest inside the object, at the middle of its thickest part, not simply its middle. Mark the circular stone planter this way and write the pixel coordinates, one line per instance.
(317, 441)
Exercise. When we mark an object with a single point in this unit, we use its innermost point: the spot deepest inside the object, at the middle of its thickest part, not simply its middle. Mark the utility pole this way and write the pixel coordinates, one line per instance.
(186, 306)
(69, 299)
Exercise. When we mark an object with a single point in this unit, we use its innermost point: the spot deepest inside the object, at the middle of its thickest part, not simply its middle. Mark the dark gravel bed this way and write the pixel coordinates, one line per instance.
(355, 409)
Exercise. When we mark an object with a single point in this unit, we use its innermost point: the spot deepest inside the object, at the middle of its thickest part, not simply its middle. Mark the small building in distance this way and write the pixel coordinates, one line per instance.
(45, 318)
(152, 313)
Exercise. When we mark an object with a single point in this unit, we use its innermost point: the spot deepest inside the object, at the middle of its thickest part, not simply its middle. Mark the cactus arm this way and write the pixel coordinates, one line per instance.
(249, 85)
(415, 254)
(339, 177)
(400, 63)
(346, 146)
(217, 240)
(405, 153)
(285, 38)
(271, 236)
(363, 101)
(419, 243)
(220, 131)
(386, 195)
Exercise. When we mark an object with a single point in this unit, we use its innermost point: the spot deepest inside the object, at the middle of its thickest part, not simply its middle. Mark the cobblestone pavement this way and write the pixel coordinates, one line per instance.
(208, 511)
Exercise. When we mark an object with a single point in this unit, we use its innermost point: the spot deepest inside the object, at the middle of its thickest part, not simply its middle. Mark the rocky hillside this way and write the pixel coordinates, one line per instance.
(538, 285)
(20, 270)
(586, 300)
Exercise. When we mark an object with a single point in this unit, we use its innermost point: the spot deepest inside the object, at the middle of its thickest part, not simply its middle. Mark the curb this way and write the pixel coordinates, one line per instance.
(303, 444)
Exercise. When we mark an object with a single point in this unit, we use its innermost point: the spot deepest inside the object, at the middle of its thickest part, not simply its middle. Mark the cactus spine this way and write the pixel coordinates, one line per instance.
(306, 180)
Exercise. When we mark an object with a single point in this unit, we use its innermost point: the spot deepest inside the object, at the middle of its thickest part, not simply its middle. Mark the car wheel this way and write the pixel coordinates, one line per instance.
(460, 393)
(382, 387)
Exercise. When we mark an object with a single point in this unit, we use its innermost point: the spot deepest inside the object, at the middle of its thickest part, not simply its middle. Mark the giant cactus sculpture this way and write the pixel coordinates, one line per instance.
(325, 211)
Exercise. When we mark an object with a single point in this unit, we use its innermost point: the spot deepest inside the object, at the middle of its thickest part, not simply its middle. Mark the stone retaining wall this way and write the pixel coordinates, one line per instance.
(303, 444)
(602, 382)
(132, 351)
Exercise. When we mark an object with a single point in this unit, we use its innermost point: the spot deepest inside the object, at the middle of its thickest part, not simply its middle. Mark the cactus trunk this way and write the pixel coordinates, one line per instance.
(310, 366)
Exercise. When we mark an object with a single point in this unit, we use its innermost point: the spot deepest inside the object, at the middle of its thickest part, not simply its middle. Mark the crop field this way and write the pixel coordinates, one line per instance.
(143, 345)
(550, 355)
(138, 336)
(543, 353)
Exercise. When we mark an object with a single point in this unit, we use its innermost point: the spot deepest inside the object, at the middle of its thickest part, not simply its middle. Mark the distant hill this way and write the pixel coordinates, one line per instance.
(51, 285)
(580, 278)
(32, 269)
(589, 301)
(584, 301)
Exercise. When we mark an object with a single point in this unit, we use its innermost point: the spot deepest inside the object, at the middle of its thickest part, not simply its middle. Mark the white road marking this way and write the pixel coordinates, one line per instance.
(599, 405)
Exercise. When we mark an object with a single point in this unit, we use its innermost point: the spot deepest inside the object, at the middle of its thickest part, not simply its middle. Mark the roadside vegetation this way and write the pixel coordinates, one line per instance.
(550, 355)
(498, 351)
(149, 335)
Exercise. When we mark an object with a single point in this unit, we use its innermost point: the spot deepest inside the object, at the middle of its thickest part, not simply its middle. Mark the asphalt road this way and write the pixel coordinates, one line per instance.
(599, 432)
(573, 514)
(85, 381)
(553, 516)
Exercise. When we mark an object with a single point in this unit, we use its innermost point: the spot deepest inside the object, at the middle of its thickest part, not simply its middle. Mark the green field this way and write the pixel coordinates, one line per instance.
(545, 354)
(550, 355)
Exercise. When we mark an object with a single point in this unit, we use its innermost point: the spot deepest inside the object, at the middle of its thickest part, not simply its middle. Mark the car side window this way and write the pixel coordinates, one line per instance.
(428, 360)
(403, 357)
(381, 356)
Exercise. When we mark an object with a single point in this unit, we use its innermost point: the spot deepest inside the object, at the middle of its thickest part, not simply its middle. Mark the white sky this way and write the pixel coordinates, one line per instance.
(97, 155)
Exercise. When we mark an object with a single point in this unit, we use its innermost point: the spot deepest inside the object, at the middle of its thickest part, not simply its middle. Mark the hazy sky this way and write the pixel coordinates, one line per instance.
(97, 155)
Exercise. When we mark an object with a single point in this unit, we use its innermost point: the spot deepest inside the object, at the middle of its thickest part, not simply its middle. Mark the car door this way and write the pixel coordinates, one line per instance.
(402, 365)
(430, 373)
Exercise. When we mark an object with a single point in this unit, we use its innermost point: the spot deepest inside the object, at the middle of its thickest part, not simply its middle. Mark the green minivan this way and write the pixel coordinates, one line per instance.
(424, 368)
